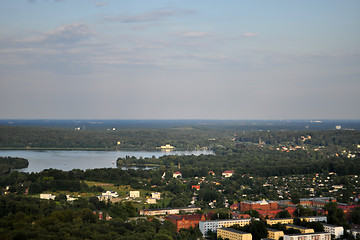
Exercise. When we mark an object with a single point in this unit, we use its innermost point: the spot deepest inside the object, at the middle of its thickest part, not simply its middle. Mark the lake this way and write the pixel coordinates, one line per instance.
(68, 160)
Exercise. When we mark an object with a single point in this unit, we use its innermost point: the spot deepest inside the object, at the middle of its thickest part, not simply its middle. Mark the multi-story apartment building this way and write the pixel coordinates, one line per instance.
(274, 233)
(337, 231)
(308, 236)
(186, 221)
(302, 229)
(214, 225)
(279, 220)
(165, 211)
(258, 205)
(315, 219)
(232, 234)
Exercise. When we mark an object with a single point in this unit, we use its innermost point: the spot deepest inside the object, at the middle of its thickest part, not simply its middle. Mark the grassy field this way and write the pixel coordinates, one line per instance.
(123, 192)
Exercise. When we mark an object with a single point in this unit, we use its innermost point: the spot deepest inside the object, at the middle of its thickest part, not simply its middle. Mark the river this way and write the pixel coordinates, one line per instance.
(68, 160)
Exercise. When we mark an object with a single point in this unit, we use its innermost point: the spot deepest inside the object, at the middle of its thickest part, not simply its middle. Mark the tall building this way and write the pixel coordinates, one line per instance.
(214, 225)
(232, 234)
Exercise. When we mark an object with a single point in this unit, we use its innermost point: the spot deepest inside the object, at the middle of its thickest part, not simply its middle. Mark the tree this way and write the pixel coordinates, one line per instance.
(355, 216)
(335, 215)
(283, 214)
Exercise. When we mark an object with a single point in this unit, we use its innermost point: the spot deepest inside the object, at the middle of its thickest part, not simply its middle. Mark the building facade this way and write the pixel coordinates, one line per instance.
(274, 233)
(308, 236)
(165, 211)
(279, 220)
(337, 231)
(259, 205)
(232, 234)
(186, 221)
(315, 219)
(134, 194)
(214, 225)
(300, 228)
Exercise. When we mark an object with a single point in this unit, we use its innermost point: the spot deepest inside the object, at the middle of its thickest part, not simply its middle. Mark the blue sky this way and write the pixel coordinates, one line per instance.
(89, 59)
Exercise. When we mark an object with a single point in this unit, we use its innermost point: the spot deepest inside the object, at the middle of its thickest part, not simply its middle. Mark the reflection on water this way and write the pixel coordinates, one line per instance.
(68, 160)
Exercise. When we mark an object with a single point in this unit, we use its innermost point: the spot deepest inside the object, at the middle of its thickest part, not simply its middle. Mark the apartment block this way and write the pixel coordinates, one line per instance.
(232, 234)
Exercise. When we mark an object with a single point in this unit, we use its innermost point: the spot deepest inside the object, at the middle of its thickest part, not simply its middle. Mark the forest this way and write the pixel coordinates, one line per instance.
(9, 163)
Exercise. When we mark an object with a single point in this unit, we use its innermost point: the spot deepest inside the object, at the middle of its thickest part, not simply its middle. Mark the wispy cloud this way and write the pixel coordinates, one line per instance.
(100, 4)
(65, 34)
(249, 34)
(151, 16)
(197, 34)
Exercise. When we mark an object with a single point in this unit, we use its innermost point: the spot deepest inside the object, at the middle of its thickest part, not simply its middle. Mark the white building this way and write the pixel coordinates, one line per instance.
(165, 211)
(228, 173)
(354, 232)
(205, 226)
(177, 174)
(151, 201)
(70, 199)
(47, 196)
(156, 195)
(134, 194)
(308, 236)
(337, 231)
(315, 219)
(111, 194)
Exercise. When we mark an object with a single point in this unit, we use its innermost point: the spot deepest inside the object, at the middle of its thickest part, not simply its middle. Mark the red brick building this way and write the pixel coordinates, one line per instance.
(186, 221)
(258, 205)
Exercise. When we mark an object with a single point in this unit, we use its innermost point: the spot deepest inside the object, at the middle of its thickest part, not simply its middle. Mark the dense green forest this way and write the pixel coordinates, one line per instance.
(9, 163)
(30, 218)
(188, 137)
(140, 139)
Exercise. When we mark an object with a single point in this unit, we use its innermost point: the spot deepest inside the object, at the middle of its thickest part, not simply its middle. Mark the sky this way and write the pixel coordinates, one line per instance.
(158, 59)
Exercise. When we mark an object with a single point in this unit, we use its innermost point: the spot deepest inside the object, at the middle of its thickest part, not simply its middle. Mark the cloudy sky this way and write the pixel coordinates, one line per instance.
(158, 59)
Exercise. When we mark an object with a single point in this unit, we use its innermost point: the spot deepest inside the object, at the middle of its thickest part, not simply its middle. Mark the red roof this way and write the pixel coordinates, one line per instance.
(229, 171)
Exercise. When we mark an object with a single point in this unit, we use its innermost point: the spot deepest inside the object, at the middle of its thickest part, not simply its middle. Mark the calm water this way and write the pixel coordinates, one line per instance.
(68, 160)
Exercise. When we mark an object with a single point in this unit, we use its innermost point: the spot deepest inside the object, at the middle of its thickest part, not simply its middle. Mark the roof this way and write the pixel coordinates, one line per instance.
(195, 217)
(234, 231)
(229, 171)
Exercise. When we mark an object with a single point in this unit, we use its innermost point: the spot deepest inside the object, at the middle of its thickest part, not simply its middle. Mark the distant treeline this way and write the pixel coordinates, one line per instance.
(184, 138)
(9, 163)
(344, 138)
(251, 159)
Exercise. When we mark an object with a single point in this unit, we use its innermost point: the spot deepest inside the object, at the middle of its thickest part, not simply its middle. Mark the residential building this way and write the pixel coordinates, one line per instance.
(232, 234)
(274, 233)
(156, 195)
(134, 194)
(47, 196)
(279, 220)
(111, 194)
(228, 173)
(151, 201)
(167, 146)
(177, 175)
(302, 229)
(308, 236)
(259, 205)
(315, 219)
(337, 231)
(214, 225)
(354, 232)
(186, 221)
(165, 211)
